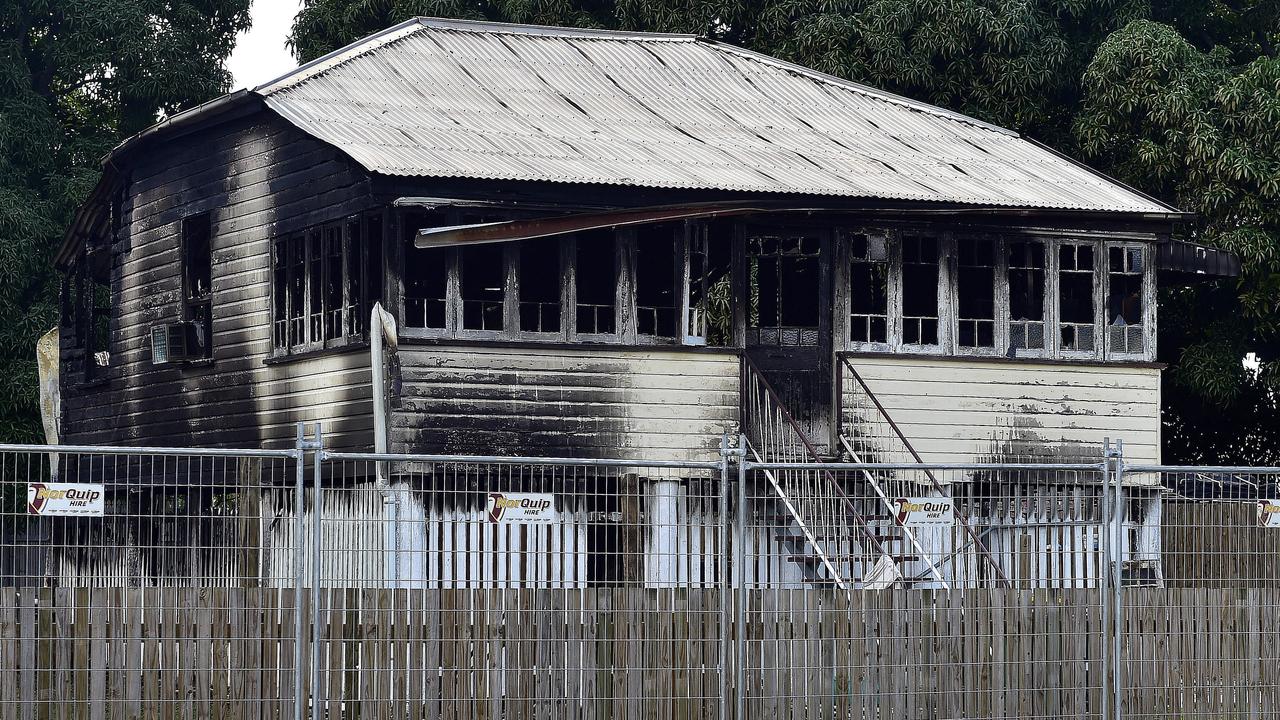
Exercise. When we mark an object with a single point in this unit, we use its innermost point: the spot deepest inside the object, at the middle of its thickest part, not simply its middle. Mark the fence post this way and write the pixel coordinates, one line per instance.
(1116, 455)
(723, 532)
(316, 530)
(300, 468)
(1104, 580)
(740, 625)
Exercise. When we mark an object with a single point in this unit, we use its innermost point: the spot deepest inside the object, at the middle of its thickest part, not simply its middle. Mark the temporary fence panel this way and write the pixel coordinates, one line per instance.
(147, 582)
(1200, 632)
(244, 584)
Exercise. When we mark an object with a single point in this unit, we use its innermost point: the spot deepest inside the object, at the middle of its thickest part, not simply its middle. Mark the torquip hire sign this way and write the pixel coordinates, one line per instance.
(76, 499)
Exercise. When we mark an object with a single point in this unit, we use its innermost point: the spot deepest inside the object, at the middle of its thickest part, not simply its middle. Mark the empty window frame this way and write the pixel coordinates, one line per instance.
(1077, 278)
(709, 301)
(540, 283)
(483, 286)
(1125, 319)
(976, 267)
(869, 289)
(657, 265)
(596, 283)
(920, 307)
(324, 279)
(783, 274)
(1026, 273)
(92, 315)
(197, 278)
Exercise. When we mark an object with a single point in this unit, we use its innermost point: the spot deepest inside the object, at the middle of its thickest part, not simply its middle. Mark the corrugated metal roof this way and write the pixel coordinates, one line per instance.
(447, 98)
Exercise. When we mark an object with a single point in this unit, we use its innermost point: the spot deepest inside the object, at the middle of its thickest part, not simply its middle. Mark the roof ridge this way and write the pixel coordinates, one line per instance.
(493, 26)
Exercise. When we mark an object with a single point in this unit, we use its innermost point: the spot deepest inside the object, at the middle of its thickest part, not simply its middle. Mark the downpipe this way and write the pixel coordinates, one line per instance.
(382, 328)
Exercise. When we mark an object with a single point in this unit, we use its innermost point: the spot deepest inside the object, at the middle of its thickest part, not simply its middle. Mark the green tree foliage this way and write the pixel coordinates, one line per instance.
(1202, 130)
(75, 79)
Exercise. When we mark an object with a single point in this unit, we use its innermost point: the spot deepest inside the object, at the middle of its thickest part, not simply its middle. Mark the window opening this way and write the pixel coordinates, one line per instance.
(334, 305)
(1124, 299)
(321, 280)
(784, 271)
(426, 277)
(540, 284)
(657, 308)
(350, 272)
(596, 281)
(1026, 294)
(1076, 268)
(869, 289)
(197, 276)
(919, 290)
(976, 293)
(484, 285)
(710, 285)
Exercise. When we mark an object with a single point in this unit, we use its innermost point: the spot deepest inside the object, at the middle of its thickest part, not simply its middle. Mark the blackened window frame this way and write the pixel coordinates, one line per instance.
(293, 320)
(195, 248)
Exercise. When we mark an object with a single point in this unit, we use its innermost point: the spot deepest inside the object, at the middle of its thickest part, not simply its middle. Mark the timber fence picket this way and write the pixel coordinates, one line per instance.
(226, 584)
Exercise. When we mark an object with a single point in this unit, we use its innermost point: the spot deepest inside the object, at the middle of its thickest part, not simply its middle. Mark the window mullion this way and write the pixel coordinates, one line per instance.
(894, 309)
(947, 315)
(1101, 286)
(569, 295)
(1001, 311)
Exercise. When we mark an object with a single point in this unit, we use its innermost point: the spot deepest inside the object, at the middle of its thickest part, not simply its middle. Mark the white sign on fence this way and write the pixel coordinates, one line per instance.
(527, 508)
(1269, 513)
(79, 499)
(925, 512)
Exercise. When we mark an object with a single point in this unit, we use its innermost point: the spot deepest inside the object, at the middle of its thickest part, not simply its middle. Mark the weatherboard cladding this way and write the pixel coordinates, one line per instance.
(481, 100)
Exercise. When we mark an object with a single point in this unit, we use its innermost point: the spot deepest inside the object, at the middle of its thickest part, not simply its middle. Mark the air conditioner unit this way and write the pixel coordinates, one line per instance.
(176, 342)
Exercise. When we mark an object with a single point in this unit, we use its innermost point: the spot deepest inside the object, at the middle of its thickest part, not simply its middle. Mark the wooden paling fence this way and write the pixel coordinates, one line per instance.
(109, 654)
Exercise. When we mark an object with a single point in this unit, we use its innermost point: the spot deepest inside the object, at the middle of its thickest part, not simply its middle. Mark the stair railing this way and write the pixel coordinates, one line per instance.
(816, 502)
(886, 443)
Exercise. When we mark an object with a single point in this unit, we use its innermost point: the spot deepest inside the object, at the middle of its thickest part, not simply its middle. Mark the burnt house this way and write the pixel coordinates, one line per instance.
(610, 244)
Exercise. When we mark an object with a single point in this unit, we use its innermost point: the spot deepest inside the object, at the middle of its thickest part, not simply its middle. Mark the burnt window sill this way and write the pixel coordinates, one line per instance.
(284, 357)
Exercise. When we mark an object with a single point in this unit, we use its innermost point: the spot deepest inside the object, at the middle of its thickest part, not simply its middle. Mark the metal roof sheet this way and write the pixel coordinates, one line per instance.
(447, 98)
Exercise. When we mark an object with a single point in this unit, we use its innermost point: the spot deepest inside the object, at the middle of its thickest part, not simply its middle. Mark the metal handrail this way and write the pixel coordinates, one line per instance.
(751, 370)
(933, 481)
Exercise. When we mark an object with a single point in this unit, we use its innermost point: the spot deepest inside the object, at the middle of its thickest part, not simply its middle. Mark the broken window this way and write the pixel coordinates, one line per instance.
(1124, 299)
(1026, 294)
(426, 275)
(596, 281)
(710, 296)
(784, 275)
(92, 316)
(657, 306)
(540, 278)
(483, 286)
(334, 305)
(197, 278)
(976, 293)
(869, 289)
(1076, 269)
(322, 281)
(919, 290)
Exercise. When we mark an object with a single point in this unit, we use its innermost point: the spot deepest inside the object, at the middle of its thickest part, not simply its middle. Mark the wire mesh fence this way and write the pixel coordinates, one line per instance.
(301, 583)
(148, 581)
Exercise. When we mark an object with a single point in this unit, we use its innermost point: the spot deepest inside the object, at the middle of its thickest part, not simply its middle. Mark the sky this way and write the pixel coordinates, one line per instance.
(260, 54)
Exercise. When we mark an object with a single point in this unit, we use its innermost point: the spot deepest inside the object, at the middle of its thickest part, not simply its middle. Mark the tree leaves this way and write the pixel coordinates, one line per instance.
(75, 79)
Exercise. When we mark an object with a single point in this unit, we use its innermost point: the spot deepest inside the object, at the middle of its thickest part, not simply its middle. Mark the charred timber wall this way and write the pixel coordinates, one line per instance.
(584, 401)
(259, 178)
